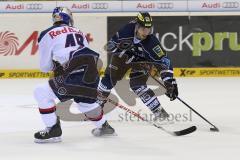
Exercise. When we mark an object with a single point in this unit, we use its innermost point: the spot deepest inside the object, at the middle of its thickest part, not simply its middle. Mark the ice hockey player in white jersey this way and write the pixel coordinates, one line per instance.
(64, 50)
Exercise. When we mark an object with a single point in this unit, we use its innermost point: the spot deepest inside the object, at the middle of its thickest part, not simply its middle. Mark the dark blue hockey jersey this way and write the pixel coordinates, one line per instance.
(148, 50)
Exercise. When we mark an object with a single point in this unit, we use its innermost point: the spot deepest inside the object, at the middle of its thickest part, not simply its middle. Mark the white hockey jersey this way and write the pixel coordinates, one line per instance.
(56, 43)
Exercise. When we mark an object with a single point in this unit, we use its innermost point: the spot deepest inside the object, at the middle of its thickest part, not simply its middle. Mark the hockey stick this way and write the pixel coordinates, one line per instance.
(212, 129)
(173, 133)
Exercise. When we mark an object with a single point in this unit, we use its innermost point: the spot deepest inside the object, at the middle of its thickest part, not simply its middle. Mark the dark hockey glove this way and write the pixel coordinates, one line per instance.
(113, 47)
(57, 69)
(172, 89)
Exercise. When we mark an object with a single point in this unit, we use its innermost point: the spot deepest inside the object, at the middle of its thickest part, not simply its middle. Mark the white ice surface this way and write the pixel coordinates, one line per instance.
(218, 99)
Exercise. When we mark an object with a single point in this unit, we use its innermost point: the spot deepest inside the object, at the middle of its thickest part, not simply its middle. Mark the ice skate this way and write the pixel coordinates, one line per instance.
(50, 134)
(105, 130)
(161, 116)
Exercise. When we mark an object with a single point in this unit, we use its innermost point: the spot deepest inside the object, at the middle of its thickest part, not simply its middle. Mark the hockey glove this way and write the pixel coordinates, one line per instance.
(113, 47)
(172, 89)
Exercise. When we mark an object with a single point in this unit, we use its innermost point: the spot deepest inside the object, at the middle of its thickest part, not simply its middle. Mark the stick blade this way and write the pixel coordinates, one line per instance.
(185, 131)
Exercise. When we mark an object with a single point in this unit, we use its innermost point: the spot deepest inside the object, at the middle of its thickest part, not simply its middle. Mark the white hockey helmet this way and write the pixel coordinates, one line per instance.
(62, 14)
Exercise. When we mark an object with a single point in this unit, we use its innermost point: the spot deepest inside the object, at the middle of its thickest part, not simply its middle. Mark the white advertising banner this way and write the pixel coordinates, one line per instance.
(92, 6)
(214, 5)
(122, 6)
(19, 34)
(31, 6)
(154, 6)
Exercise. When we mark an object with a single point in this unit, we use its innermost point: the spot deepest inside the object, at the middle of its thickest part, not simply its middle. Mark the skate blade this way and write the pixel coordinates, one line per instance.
(106, 135)
(50, 140)
(110, 135)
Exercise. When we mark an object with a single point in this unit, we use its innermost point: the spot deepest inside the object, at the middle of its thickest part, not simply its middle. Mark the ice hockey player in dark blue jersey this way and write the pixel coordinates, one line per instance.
(135, 43)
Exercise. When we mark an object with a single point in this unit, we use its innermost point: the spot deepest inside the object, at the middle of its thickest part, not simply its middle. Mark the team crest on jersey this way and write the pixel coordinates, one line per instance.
(157, 49)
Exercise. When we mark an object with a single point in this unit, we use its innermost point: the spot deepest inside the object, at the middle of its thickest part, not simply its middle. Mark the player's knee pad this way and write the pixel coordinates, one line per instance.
(44, 96)
(137, 79)
(92, 111)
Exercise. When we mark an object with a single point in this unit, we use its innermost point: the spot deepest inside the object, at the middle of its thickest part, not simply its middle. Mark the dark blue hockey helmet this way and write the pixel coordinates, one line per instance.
(62, 14)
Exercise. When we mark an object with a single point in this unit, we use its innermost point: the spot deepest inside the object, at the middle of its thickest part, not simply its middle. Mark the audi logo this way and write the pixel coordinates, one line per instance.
(230, 5)
(164, 5)
(34, 6)
(99, 6)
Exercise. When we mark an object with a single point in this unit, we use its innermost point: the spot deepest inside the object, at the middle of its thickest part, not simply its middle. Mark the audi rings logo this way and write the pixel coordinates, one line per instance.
(34, 6)
(99, 6)
(164, 5)
(230, 5)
